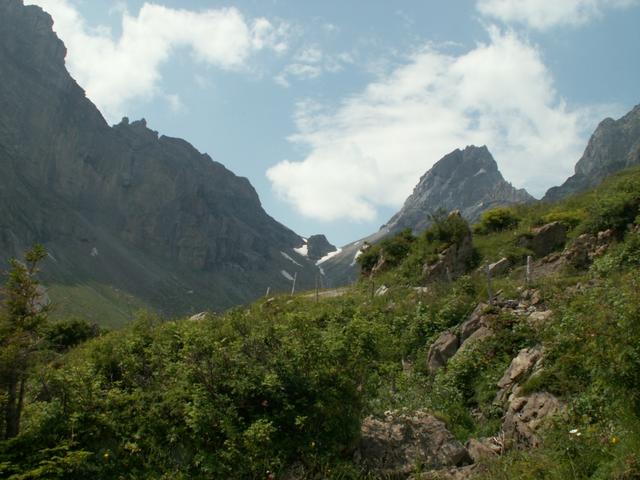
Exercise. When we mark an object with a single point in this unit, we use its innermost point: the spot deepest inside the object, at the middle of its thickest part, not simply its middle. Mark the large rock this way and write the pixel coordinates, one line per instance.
(546, 239)
(523, 364)
(499, 267)
(394, 446)
(525, 416)
(474, 322)
(452, 261)
(445, 347)
(586, 247)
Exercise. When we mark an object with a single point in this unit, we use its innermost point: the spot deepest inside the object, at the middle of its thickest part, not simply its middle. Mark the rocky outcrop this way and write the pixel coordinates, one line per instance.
(394, 446)
(122, 206)
(544, 240)
(318, 247)
(445, 347)
(614, 145)
(587, 247)
(525, 416)
(526, 362)
(499, 267)
(453, 261)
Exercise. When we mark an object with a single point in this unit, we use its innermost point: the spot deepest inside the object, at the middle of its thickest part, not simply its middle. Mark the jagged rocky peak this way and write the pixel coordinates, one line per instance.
(318, 246)
(614, 145)
(467, 180)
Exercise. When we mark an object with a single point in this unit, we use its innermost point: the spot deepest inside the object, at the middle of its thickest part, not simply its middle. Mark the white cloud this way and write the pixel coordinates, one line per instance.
(371, 150)
(310, 62)
(544, 14)
(114, 71)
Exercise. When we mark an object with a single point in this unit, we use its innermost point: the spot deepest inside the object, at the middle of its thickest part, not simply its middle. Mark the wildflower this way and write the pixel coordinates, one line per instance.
(574, 431)
(614, 440)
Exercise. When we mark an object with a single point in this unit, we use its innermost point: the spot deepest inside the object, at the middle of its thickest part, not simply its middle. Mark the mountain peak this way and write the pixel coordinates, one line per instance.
(467, 180)
(614, 145)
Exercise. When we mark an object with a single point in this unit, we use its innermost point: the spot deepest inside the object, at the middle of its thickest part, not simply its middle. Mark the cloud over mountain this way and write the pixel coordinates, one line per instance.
(115, 69)
(369, 150)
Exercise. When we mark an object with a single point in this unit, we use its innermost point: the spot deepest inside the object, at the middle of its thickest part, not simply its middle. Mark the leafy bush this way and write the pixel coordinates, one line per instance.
(496, 220)
(569, 218)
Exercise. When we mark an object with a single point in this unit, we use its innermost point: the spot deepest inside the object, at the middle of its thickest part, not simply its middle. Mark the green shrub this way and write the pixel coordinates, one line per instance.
(569, 218)
(496, 220)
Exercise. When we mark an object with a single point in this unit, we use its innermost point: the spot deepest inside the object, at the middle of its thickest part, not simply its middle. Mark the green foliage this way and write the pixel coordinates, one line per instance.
(446, 229)
(253, 391)
(23, 318)
(616, 209)
(65, 334)
(496, 220)
(569, 218)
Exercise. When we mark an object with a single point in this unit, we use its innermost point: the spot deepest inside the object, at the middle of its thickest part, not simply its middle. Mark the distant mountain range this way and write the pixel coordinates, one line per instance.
(134, 220)
(128, 217)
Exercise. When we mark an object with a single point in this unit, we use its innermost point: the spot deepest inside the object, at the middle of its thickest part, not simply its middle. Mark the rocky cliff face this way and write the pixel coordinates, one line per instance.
(466, 180)
(614, 145)
(123, 206)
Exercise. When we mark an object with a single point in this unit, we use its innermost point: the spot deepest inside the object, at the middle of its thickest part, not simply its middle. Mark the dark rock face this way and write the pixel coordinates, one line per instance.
(546, 239)
(121, 205)
(318, 246)
(466, 180)
(614, 145)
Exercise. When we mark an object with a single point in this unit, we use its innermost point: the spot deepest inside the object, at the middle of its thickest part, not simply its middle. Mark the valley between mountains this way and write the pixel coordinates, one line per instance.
(157, 322)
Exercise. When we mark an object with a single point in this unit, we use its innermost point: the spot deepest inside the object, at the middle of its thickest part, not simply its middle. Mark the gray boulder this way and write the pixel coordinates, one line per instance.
(500, 267)
(525, 416)
(452, 261)
(442, 350)
(526, 360)
(394, 446)
(544, 240)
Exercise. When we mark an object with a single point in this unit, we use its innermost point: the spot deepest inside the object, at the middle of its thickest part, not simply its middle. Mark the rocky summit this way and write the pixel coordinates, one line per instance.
(466, 180)
(614, 145)
(123, 211)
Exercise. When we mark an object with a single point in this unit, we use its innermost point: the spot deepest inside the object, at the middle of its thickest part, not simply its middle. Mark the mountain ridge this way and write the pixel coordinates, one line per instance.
(122, 206)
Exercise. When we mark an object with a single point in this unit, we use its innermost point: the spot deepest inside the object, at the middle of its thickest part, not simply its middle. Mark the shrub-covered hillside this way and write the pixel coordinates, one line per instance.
(427, 368)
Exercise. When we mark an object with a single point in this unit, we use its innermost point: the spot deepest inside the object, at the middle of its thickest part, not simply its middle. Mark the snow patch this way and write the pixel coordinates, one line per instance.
(286, 275)
(328, 256)
(480, 172)
(303, 250)
(355, 258)
(290, 259)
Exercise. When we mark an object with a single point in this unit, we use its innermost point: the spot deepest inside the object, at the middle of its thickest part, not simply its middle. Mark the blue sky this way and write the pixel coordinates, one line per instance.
(334, 109)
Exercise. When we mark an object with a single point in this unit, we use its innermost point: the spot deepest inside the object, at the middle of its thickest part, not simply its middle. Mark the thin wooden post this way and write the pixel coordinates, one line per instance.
(448, 272)
(489, 291)
(529, 270)
(317, 289)
(293, 286)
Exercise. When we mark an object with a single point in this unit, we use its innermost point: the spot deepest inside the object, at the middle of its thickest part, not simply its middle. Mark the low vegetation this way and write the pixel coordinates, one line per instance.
(286, 382)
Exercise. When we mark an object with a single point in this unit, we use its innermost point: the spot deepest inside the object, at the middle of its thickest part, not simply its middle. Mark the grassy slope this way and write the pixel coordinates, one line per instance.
(288, 379)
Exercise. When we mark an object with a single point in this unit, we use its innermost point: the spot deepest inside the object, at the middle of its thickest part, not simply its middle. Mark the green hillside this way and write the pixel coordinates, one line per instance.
(280, 388)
